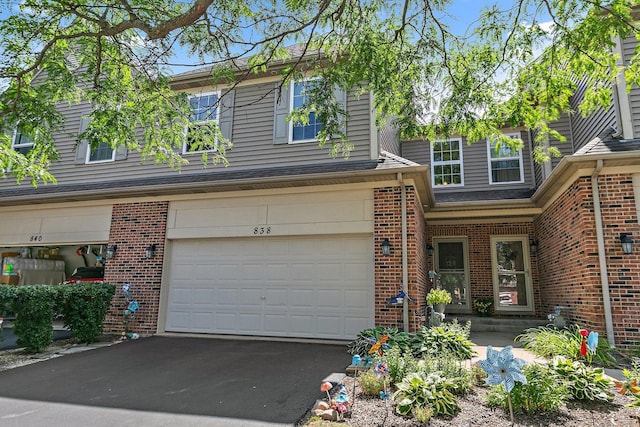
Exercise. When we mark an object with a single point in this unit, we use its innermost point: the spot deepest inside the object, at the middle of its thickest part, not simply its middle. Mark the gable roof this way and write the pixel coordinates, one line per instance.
(606, 143)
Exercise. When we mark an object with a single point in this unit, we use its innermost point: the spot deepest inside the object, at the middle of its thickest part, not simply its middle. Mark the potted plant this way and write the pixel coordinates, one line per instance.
(438, 298)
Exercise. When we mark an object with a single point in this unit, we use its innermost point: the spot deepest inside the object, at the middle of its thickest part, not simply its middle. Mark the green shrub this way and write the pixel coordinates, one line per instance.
(542, 393)
(582, 382)
(6, 296)
(462, 378)
(84, 306)
(398, 364)
(447, 339)
(549, 342)
(370, 383)
(419, 391)
(34, 307)
(362, 344)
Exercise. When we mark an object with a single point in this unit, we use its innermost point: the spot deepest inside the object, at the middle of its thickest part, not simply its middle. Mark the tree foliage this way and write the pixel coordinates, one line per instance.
(517, 65)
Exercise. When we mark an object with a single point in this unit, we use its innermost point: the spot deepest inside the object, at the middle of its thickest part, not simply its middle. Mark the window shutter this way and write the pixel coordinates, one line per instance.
(225, 120)
(121, 153)
(341, 98)
(280, 123)
(82, 145)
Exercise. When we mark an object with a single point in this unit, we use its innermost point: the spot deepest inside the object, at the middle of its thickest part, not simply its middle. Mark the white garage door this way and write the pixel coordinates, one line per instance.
(315, 287)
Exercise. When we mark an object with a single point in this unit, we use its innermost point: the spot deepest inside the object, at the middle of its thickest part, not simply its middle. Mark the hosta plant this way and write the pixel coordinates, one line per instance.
(418, 391)
(452, 341)
(582, 382)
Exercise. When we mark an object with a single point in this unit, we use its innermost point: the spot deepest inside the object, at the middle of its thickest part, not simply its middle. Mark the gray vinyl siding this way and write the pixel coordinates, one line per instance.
(389, 140)
(252, 137)
(416, 151)
(584, 129)
(475, 164)
(628, 49)
(563, 127)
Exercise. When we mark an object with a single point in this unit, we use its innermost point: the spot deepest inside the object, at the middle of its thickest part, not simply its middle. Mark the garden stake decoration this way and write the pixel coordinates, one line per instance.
(502, 368)
(128, 313)
(583, 345)
(592, 342)
(325, 387)
(379, 345)
(382, 371)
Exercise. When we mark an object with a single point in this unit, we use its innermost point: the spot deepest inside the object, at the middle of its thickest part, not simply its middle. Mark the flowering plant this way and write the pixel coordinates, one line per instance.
(483, 306)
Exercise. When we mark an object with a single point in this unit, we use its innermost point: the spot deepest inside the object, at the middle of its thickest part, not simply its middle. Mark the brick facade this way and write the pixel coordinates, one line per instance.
(388, 269)
(569, 254)
(134, 226)
(479, 246)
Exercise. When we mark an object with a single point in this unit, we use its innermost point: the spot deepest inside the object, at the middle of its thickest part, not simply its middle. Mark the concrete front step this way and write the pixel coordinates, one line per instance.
(514, 325)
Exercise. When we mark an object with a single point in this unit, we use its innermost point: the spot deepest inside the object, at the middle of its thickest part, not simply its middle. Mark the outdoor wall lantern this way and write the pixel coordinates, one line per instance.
(626, 242)
(386, 247)
(430, 250)
(111, 251)
(148, 253)
(533, 247)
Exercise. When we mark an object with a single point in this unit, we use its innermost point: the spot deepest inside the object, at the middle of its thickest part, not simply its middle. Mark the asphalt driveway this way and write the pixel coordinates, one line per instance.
(256, 381)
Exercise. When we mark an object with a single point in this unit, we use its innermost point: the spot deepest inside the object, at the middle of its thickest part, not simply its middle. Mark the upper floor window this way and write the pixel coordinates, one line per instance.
(505, 163)
(446, 162)
(102, 153)
(22, 143)
(300, 96)
(204, 115)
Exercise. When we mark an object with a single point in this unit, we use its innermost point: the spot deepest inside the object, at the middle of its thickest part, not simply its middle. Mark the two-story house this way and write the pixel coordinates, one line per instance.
(285, 241)
(531, 236)
(290, 242)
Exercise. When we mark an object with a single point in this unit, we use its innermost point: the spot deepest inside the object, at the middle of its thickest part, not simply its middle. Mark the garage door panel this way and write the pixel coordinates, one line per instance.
(329, 299)
(353, 325)
(225, 322)
(200, 297)
(302, 298)
(356, 299)
(272, 286)
(249, 323)
(227, 296)
(329, 325)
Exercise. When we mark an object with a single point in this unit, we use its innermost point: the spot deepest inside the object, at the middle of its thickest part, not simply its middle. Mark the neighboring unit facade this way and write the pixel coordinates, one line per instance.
(287, 241)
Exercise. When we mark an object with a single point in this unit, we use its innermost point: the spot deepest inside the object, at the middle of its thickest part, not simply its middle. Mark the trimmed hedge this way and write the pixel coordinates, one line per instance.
(84, 306)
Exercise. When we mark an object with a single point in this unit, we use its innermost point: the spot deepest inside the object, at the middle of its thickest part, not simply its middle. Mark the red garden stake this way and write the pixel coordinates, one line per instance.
(583, 346)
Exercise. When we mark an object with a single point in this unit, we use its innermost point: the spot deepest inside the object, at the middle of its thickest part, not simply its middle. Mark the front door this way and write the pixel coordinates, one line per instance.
(512, 287)
(452, 267)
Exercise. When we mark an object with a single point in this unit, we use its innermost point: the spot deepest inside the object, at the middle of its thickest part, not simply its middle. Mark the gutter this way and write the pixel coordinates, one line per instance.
(405, 260)
(606, 299)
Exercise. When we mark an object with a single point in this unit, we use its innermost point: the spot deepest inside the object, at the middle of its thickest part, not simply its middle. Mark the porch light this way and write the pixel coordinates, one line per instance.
(148, 253)
(626, 242)
(386, 247)
(111, 251)
(533, 246)
(430, 250)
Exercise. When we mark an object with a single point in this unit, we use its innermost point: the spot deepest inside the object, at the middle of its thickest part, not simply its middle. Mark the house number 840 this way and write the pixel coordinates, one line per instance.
(261, 230)
(35, 238)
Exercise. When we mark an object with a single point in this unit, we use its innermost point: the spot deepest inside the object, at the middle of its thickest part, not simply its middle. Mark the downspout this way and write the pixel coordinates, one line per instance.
(606, 299)
(405, 260)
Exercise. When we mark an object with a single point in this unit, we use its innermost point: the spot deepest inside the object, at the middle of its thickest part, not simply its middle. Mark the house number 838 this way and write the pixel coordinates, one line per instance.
(261, 230)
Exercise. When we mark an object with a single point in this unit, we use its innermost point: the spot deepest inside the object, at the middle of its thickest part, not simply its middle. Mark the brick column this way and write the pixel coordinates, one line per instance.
(134, 226)
(388, 269)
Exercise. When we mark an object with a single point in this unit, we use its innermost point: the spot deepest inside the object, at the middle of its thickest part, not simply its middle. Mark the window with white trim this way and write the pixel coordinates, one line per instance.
(22, 143)
(505, 163)
(446, 162)
(102, 153)
(204, 118)
(300, 92)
